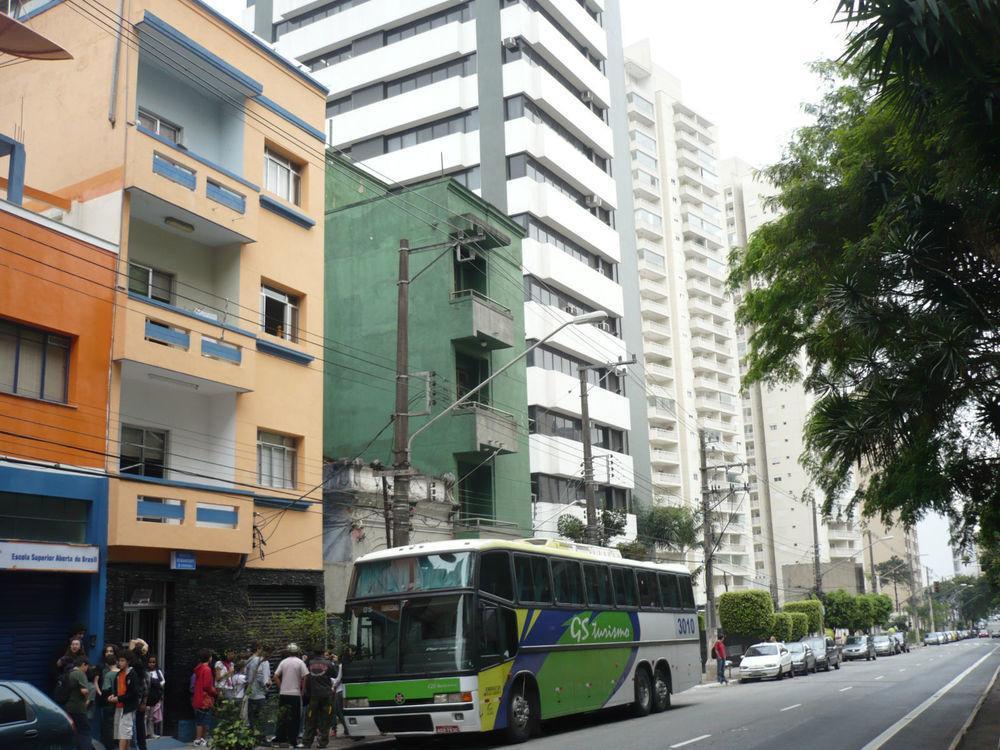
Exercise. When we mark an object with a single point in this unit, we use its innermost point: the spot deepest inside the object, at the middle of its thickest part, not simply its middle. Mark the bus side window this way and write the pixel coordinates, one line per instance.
(494, 575)
(568, 582)
(598, 582)
(498, 634)
(625, 592)
(649, 592)
(669, 591)
(687, 594)
(532, 575)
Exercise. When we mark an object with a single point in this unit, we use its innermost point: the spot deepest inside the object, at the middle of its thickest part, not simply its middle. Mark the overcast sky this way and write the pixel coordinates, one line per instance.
(744, 65)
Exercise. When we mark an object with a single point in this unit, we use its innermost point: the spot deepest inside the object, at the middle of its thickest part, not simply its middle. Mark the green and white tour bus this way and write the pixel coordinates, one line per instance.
(482, 635)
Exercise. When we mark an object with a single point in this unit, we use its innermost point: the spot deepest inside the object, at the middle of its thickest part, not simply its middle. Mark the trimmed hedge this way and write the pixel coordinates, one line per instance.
(800, 625)
(781, 626)
(813, 609)
(746, 613)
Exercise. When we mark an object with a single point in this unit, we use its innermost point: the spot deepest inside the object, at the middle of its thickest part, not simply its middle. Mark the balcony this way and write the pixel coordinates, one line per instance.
(691, 123)
(557, 390)
(641, 109)
(708, 345)
(156, 516)
(711, 268)
(652, 265)
(717, 403)
(659, 373)
(656, 331)
(554, 267)
(700, 179)
(645, 185)
(661, 457)
(563, 457)
(648, 225)
(702, 306)
(478, 320)
(662, 436)
(713, 384)
(666, 479)
(492, 429)
(655, 310)
(660, 407)
(658, 352)
(729, 428)
(703, 286)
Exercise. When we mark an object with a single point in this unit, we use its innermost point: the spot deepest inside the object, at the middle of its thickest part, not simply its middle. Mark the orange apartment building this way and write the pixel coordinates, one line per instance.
(198, 152)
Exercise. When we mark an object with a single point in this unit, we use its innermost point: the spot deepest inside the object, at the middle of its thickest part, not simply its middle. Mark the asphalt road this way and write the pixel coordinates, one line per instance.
(892, 703)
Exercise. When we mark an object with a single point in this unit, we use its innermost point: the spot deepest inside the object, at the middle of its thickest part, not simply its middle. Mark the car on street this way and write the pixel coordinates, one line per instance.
(766, 660)
(885, 645)
(826, 651)
(901, 645)
(29, 719)
(803, 658)
(984, 634)
(859, 647)
(934, 639)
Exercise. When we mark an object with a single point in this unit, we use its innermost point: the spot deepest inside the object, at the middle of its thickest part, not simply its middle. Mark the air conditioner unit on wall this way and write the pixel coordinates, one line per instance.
(586, 97)
(510, 42)
(464, 253)
(594, 202)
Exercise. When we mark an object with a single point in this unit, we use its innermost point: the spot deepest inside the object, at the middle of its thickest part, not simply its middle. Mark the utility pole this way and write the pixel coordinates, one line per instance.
(707, 541)
(589, 491)
(589, 485)
(930, 600)
(817, 569)
(387, 512)
(401, 432)
(871, 561)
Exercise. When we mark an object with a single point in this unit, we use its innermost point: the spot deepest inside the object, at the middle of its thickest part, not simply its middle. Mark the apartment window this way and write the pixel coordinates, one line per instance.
(467, 122)
(522, 165)
(149, 282)
(143, 452)
(544, 422)
(471, 178)
(334, 56)
(550, 359)
(314, 15)
(642, 159)
(159, 510)
(535, 291)
(522, 106)
(642, 216)
(279, 313)
(595, 60)
(33, 363)
(462, 13)
(524, 51)
(282, 177)
(161, 127)
(275, 460)
(462, 67)
(556, 490)
(339, 106)
(643, 141)
(540, 231)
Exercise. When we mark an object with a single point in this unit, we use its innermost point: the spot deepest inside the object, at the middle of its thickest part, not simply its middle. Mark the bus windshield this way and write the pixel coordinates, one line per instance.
(410, 636)
(403, 575)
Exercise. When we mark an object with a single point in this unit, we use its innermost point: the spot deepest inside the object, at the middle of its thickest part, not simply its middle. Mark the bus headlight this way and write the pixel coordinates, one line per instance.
(453, 697)
(356, 703)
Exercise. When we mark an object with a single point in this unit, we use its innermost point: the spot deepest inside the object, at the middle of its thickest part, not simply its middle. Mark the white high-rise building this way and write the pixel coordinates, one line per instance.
(780, 511)
(689, 339)
(522, 101)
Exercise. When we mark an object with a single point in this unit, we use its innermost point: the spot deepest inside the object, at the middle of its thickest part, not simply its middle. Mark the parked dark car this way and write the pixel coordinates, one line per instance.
(30, 720)
(826, 651)
(859, 647)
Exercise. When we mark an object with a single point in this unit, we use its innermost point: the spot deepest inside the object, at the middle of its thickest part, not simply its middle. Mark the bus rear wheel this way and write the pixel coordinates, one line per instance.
(661, 690)
(521, 713)
(643, 693)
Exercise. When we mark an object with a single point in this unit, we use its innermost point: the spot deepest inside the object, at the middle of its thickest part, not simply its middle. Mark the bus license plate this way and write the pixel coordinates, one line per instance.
(446, 729)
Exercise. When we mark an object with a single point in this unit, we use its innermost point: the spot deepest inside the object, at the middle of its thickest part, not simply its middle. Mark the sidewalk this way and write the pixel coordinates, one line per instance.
(984, 731)
(339, 743)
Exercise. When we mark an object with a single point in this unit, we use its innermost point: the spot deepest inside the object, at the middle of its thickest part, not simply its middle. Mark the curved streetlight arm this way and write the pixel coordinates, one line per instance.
(590, 317)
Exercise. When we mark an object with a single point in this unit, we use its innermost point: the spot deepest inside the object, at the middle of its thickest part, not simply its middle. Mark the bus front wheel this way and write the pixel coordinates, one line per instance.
(521, 713)
(643, 693)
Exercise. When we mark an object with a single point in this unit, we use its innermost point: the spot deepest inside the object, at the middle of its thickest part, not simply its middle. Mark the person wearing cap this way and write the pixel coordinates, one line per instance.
(290, 677)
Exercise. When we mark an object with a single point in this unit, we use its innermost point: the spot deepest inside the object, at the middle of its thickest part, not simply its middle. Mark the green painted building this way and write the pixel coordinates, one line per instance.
(466, 321)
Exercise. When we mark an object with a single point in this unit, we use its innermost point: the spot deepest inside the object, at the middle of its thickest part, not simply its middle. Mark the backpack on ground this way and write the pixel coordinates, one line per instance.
(63, 689)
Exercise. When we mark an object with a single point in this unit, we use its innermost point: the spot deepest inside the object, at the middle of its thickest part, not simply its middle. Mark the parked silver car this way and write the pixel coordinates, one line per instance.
(934, 639)
(885, 645)
(803, 658)
(859, 647)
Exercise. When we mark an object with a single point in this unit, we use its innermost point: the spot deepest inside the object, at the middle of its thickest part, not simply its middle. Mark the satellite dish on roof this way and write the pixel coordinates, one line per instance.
(18, 40)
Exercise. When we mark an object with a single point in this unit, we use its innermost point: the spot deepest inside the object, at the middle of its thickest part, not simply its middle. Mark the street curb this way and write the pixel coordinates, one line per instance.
(975, 712)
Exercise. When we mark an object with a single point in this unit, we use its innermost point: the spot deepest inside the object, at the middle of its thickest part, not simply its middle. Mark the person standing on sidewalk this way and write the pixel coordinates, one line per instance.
(319, 710)
(76, 703)
(203, 697)
(290, 676)
(258, 671)
(719, 652)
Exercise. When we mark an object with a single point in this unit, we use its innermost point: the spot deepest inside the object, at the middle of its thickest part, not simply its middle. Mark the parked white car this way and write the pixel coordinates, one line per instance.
(766, 660)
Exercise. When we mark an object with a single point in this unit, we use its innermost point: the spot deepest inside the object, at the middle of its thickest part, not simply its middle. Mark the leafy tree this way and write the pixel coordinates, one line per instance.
(781, 626)
(799, 624)
(896, 571)
(672, 526)
(611, 524)
(746, 613)
(840, 609)
(866, 610)
(883, 608)
(813, 609)
(884, 267)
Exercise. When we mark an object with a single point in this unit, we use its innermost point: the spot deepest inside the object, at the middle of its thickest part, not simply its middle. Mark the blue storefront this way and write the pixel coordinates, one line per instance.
(53, 550)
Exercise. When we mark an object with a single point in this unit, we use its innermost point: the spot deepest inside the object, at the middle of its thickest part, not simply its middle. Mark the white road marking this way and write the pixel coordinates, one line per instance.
(880, 677)
(688, 742)
(846, 688)
(896, 728)
(902, 670)
(789, 708)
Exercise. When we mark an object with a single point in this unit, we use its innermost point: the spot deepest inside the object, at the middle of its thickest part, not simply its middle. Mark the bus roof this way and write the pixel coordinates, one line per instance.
(552, 547)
